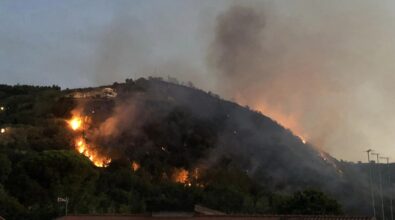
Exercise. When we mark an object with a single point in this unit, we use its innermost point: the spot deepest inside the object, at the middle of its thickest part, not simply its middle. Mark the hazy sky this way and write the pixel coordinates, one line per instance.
(325, 69)
(69, 42)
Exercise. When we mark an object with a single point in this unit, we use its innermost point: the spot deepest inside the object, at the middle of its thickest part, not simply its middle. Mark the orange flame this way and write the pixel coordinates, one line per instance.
(135, 166)
(186, 177)
(76, 123)
(88, 151)
(181, 176)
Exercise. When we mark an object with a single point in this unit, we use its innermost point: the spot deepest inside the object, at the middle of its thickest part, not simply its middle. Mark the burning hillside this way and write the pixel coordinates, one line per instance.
(160, 138)
(85, 133)
(299, 76)
(140, 124)
(159, 134)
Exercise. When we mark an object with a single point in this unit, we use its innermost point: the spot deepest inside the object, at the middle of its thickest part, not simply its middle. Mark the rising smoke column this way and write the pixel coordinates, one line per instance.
(258, 62)
(237, 50)
(246, 69)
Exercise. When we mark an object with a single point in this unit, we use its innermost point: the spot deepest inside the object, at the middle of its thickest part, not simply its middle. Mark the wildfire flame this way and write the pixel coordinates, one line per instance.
(181, 176)
(187, 178)
(88, 151)
(77, 123)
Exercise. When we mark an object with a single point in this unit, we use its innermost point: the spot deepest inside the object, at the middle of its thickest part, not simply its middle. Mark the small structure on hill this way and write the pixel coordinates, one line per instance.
(94, 93)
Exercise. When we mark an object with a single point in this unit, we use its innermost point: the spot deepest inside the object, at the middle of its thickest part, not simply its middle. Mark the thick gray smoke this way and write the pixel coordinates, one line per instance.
(238, 35)
(310, 67)
(323, 68)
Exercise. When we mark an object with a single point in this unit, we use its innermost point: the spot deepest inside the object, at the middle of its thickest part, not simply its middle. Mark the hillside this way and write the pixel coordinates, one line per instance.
(159, 146)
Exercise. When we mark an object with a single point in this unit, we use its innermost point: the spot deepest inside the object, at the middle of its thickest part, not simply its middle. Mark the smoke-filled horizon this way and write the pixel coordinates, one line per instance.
(323, 69)
(320, 74)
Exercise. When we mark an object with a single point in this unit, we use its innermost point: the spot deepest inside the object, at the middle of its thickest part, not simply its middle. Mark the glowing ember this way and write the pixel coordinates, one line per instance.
(2, 108)
(75, 123)
(181, 176)
(2, 131)
(288, 121)
(329, 161)
(135, 166)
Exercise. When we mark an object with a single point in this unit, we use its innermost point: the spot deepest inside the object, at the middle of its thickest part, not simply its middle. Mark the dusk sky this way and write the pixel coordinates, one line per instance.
(324, 69)
(65, 42)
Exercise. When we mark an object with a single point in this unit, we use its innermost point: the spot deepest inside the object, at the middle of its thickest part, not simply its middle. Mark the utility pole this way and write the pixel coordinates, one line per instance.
(370, 182)
(381, 185)
(389, 183)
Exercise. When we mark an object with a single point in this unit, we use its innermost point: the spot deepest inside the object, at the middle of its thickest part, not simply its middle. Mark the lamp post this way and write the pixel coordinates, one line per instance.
(370, 182)
(380, 184)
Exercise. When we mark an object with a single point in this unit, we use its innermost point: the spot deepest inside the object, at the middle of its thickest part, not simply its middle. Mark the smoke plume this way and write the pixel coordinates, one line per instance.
(310, 71)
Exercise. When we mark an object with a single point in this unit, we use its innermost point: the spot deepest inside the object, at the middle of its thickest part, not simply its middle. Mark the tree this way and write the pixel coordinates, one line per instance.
(5, 167)
(10, 208)
(39, 178)
(311, 202)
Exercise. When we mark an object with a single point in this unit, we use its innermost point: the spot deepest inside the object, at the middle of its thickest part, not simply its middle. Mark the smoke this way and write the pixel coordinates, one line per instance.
(238, 35)
(322, 69)
(113, 126)
(309, 66)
